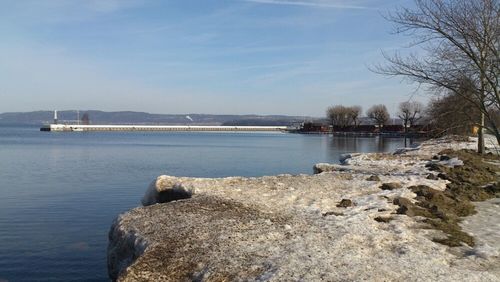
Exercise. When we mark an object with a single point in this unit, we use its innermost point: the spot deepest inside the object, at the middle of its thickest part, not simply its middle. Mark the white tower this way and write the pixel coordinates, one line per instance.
(55, 117)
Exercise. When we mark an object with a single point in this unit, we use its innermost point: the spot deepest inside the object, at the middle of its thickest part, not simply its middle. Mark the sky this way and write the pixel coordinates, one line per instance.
(198, 56)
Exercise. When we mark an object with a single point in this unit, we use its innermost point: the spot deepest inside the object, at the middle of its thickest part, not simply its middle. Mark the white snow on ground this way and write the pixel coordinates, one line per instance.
(339, 243)
(485, 227)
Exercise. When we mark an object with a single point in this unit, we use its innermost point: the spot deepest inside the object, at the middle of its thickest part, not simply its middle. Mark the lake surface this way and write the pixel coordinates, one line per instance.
(59, 192)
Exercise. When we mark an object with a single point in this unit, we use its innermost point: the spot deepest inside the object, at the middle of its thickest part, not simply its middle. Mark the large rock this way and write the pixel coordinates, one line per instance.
(324, 167)
(391, 186)
(373, 178)
(166, 189)
(205, 238)
(283, 228)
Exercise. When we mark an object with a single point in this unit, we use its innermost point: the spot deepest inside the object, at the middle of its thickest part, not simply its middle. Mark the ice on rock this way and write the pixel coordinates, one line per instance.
(290, 227)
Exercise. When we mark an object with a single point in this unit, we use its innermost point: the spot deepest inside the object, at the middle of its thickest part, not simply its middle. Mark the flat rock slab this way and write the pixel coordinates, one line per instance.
(212, 239)
(203, 238)
(289, 228)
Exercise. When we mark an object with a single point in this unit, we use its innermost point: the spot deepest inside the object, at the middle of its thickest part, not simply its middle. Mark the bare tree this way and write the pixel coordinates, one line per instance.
(450, 114)
(354, 112)
(343, 116)
(336, 115)
(379, 114)
(460, 42)
(410, 113)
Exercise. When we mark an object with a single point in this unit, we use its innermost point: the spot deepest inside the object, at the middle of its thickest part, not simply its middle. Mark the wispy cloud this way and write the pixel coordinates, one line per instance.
(110, 6)
(312, 3)
(61, 11)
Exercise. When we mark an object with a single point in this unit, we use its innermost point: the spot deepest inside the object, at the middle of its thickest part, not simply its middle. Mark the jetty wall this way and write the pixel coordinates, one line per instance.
(73, 127)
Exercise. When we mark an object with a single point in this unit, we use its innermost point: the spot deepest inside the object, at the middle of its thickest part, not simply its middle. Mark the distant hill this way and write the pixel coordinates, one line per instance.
(129, 117)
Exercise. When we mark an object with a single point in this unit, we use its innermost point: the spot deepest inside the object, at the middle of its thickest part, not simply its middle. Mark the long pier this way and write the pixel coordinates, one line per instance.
(74, 127)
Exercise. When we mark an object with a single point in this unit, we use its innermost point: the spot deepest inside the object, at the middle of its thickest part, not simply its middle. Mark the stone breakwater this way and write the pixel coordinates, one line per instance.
(343, 223)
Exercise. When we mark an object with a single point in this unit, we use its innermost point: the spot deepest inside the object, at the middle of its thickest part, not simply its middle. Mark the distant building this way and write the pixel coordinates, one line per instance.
(314, 127)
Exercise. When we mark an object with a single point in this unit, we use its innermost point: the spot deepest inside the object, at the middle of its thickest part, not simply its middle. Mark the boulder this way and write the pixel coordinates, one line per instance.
(384, 219)
(324, 167)
(391, 186)
(345, 203)
(444, 158)
(373, 178)
(344, 158)
(405, 206)
(165, 189)
(401, 151)
(432, 176)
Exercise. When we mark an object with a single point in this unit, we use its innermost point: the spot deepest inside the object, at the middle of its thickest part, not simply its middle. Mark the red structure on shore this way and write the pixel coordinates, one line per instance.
(318, 127)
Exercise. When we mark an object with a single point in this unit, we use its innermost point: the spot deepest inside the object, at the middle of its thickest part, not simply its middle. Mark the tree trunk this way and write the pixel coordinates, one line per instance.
(494, 129)
(480, 136)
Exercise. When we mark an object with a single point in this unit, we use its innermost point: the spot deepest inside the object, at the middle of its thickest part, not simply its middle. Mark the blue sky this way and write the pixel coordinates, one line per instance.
(204, 56)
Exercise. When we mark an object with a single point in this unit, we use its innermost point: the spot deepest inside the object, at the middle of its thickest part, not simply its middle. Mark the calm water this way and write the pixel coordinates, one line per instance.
(59, 192)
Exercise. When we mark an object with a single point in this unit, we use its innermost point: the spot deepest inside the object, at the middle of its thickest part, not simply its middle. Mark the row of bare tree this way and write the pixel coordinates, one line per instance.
(341, 116)
(447, 114)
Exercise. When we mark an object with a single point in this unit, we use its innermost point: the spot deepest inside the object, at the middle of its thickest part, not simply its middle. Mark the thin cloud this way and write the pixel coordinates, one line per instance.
(320, 4)
(106, 6)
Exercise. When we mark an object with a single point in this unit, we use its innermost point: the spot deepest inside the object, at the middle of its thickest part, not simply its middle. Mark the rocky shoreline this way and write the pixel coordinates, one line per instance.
(372, 217)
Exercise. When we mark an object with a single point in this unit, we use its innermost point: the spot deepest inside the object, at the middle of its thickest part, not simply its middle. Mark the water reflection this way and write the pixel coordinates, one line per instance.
(409, 142)
(382, 144)
(364, 144)
(349, 144)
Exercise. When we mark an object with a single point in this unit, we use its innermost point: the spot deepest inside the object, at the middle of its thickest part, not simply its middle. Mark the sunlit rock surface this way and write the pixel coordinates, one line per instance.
(295, 228)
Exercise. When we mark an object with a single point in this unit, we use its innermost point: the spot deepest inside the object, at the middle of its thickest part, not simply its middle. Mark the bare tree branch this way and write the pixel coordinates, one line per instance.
(458, 43)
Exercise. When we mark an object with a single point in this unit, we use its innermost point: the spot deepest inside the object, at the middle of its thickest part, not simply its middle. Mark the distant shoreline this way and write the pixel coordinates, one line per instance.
(129, 117)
